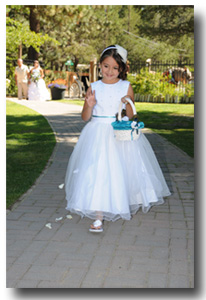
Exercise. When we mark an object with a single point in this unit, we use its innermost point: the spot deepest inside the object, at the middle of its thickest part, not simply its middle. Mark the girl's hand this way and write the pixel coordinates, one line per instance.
(129, 111)
(123, 99)
(90, 99)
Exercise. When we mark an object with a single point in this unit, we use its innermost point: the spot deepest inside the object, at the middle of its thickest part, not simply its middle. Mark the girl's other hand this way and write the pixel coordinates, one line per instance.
(90, 99)
(124, 100)
(129, 111)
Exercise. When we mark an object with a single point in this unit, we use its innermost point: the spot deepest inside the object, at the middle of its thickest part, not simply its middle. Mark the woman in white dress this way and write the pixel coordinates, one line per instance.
(37, 88)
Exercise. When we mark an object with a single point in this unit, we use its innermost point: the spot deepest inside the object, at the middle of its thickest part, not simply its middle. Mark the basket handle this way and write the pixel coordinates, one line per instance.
(120, 108)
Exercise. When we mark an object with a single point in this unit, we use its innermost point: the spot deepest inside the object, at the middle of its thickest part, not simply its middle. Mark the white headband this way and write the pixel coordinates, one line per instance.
(120, 50)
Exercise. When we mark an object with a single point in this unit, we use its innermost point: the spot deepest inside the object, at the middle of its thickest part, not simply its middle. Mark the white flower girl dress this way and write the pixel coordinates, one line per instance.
(113, 177)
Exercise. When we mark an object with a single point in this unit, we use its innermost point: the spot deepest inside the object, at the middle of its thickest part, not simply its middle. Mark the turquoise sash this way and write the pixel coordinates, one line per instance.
(94, 116)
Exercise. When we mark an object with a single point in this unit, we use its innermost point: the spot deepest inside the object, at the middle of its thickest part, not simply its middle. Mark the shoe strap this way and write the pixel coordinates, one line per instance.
(97, 223)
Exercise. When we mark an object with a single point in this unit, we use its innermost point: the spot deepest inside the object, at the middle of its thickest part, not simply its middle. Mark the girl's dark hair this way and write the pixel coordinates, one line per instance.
(122, 66)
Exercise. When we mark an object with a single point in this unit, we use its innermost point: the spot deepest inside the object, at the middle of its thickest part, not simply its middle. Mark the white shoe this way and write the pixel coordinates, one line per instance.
(96, 226)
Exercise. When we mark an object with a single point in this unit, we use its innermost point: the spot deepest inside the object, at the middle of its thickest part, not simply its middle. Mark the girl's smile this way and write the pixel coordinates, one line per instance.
(110, 70)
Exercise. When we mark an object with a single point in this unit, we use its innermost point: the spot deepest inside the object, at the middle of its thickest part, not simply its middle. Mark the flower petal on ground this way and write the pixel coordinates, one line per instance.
(61, 186)
(58, 219)
(48, 225)
(69, 217)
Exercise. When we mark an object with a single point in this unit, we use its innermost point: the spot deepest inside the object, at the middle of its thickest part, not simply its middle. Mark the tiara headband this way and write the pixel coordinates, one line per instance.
(120, 50)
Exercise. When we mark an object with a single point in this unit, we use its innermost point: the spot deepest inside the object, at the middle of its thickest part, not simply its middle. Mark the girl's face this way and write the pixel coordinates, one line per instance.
(110, 70)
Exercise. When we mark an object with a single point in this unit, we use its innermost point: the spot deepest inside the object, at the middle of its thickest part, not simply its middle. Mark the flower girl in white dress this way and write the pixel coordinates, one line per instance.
(108, 179)
(37, 89)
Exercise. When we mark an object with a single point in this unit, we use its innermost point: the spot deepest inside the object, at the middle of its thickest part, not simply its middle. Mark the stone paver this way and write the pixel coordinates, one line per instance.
(154, 250)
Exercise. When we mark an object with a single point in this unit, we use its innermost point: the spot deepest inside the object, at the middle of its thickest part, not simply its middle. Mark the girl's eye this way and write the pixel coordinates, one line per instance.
(115, 68)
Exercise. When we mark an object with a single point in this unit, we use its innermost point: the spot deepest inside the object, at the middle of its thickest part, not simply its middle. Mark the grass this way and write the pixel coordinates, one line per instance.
(173, 121)
(30, 142)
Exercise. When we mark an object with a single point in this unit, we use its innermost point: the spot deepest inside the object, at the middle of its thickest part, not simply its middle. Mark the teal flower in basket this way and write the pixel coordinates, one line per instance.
(140, 125)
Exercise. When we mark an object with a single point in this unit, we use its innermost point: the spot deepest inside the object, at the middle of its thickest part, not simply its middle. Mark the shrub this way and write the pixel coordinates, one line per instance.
(11, 90)
(155, 84)
(146, 83)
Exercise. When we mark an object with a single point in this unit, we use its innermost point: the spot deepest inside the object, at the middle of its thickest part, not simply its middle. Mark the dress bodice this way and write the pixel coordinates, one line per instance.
(36, 71)
(108, 96)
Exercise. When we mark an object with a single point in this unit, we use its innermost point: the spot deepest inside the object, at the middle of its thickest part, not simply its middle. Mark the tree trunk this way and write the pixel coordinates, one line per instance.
(34, 26)
(20, 51)
(56, 66)
(76, 60)
(129, 16)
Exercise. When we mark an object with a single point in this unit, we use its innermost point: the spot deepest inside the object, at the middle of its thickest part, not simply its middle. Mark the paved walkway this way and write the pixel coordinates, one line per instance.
(154, 250)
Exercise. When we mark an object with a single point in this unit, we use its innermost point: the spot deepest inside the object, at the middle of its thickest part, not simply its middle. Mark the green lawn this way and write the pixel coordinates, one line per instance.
(30, 142)
(173, 121)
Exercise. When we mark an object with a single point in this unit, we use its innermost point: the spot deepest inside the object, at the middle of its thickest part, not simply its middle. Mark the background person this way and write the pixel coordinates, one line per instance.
(37, 88)
(21, 78)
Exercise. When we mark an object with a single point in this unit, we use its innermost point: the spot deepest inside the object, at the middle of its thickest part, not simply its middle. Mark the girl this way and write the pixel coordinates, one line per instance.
(37, 88)
(108, 179)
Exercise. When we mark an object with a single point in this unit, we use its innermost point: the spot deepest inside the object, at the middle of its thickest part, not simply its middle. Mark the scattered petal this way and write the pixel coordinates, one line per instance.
(48, 225)
(69, 217)
(58, 219)
(61, 186)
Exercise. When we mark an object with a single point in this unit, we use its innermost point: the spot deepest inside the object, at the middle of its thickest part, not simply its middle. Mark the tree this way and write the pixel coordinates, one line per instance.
(169, 22)
(83, 31)
(35, 27)
(18, 34)
(161, 32)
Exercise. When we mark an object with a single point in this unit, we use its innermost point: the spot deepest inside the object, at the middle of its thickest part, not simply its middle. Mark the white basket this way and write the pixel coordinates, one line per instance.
(126, 135)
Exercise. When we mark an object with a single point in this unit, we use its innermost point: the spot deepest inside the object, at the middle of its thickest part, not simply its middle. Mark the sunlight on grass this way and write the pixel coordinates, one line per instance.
(30, 142)
(182, 138)
(170, 108)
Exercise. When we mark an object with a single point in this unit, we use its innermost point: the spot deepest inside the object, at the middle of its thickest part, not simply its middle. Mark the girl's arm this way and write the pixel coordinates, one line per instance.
(89, 103)
(130, 94)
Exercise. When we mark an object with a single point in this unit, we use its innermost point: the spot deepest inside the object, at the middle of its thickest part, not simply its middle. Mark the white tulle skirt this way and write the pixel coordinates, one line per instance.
(112, 178)
(38, 91)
